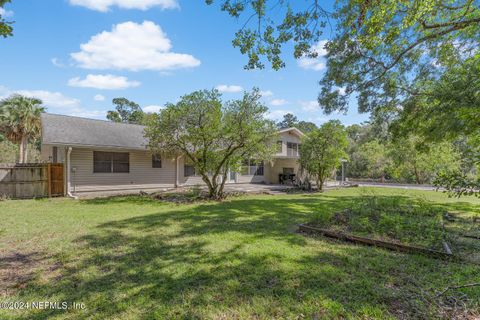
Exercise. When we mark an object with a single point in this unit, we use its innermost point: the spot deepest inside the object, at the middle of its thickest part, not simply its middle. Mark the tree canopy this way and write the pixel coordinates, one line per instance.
(380, 52)
(20, 121)
(214, 136)
(411, 64)
(6, 29)
(289, 121)
(126, 111)
(322, 150)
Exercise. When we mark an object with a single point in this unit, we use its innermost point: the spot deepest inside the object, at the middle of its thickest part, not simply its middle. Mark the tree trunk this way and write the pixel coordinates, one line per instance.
(417, 174)
(23, 150)
(319, 184)
(212, 185)
(222, 185)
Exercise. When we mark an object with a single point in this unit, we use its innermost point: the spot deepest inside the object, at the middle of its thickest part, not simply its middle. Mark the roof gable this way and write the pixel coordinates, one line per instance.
(292, 130)
(76, 131)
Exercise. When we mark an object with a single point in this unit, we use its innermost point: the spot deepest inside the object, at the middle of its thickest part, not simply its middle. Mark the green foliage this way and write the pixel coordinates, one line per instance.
(449, 109)
(20, 121)
(384, 51)
(212, 135)
(8, 152)
(264, 34)
(126, 111)
(6, 29)
(415, 162)
(322, 149)
(290, 121)
(375, 157)
(135, 258)
(361, 161)
(465, 181)
(414, 222)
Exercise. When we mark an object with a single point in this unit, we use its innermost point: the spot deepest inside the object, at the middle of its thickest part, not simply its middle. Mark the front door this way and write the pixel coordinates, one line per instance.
(232, 177)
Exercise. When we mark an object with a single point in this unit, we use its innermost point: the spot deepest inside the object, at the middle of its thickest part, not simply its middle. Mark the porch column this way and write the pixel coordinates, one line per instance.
(68, 176)
(176, 172)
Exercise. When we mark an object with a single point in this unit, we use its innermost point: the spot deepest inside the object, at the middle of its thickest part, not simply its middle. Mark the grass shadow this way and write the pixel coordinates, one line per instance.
(237, 259)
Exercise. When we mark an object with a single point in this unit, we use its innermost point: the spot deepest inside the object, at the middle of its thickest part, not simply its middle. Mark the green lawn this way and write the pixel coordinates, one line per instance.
(132, 257)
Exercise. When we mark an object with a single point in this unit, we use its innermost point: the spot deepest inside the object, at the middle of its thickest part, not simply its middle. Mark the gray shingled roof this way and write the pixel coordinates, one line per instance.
(75, 131)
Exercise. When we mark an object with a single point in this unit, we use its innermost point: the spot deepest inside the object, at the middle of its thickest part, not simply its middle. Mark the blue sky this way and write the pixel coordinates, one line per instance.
(77, 55)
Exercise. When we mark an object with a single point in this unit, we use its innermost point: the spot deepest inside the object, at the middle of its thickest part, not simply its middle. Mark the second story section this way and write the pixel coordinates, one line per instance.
(288, 144)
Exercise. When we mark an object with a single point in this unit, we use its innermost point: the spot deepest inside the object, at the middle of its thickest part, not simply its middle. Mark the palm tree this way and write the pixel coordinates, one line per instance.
(20, 121)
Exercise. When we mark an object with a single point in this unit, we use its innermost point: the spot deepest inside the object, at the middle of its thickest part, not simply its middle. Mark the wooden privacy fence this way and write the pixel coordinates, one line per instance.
(34, 180)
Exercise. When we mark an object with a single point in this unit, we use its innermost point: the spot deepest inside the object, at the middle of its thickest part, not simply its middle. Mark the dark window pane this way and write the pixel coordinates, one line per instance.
(102, 156)
(259, 169)
(156, 161)
(102, 167)
(120, 157)
(102, 162)
(108, 162)
(279, 146)
(121, 167)
(188, 171)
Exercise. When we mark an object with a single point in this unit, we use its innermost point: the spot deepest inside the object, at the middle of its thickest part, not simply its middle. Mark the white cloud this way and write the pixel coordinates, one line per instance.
(56, 102)
(99, 97)
(132, 46)
(266, 93)
(278, 102)
(229, 89)
(317, 63)
(84, 113)
(276, 115)
(104, 5)
(6, 13)
(342, 90)
(103, 82)
(50, 99)
(152, 109)
(311, 105)
(57, 63)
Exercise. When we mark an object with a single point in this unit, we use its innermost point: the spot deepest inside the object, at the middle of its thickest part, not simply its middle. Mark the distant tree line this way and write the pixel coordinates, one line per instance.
(374, 151)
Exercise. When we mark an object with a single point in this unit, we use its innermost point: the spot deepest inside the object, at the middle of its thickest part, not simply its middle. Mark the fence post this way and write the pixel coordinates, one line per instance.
(49, 179)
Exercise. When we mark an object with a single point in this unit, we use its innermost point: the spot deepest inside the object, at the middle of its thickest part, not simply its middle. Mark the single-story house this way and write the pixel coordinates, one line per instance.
(107, 156)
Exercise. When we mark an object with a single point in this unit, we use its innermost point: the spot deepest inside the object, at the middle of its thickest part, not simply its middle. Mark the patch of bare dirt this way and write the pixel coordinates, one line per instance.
(18, 269)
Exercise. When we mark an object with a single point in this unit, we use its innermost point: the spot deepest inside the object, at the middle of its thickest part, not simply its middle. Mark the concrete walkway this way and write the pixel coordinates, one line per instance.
(249, 188)
(237, 187)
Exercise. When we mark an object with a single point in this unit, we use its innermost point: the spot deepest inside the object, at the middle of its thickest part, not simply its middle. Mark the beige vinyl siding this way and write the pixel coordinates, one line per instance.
(286, 137)
(46, 153)
(188, 181)
(256, 179)
(141, 174)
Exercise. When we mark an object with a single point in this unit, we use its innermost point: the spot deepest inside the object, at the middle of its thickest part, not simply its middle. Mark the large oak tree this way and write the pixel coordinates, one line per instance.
(214, 136)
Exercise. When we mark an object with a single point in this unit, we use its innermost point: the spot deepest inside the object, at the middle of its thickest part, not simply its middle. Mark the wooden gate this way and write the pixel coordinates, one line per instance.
(55, 180)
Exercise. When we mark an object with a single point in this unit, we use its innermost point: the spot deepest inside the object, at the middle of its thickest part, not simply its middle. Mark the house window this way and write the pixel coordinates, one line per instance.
(111, 162)
(292, 149)
(188, 171)
(253, 168)
(156, 161)
(279, 146)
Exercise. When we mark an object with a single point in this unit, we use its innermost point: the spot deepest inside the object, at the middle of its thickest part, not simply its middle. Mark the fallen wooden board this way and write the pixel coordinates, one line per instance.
(470, 236)
(373, 242)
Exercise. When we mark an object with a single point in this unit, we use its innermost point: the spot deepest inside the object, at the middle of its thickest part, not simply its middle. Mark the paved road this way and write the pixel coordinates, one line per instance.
(396, 185)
